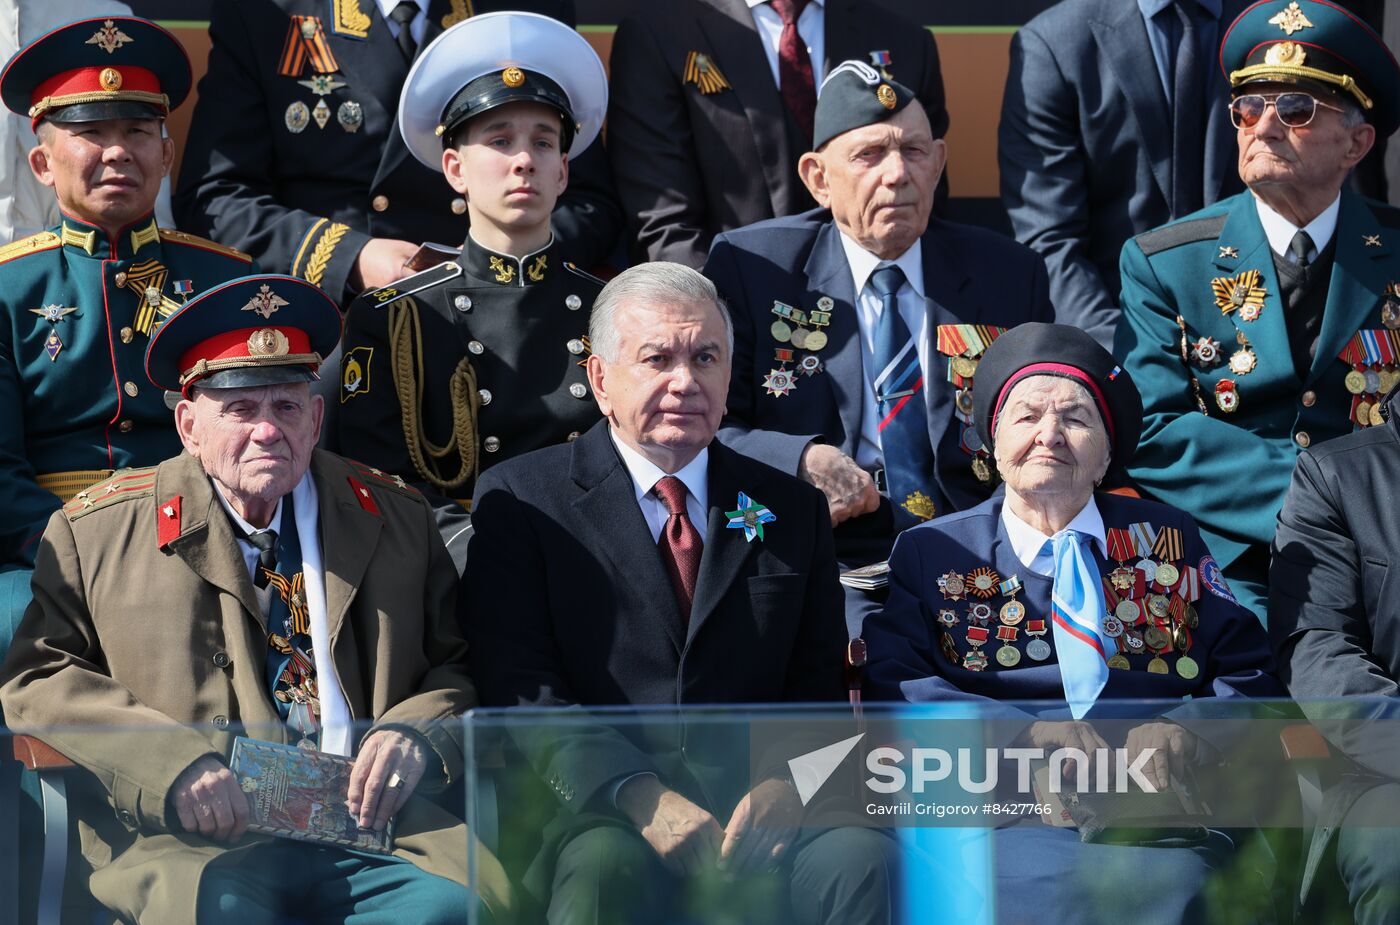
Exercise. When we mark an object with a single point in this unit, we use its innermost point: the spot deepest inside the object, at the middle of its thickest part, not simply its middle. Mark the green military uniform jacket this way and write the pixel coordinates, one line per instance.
(152, 630)
(1230, 467)
(520, 326)
(74, 323)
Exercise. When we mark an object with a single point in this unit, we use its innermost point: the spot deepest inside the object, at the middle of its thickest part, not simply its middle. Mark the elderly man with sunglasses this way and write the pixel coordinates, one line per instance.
(1269, 321)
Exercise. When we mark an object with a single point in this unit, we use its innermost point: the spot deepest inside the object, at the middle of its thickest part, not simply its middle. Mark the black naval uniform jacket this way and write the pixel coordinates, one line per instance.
(261, 174)
(523, 325)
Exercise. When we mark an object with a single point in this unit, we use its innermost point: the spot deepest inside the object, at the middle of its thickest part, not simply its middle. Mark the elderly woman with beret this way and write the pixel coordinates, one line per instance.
(1053, 591)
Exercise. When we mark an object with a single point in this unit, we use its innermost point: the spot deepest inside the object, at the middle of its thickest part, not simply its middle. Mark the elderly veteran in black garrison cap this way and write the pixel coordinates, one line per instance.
(251, 580)
(858, 326)
(1268, 322)
(480, 358)
(1055, 592)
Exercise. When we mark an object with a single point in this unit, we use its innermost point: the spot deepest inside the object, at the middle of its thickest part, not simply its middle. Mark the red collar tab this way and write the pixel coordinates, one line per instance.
(167, 521)
(363, 495)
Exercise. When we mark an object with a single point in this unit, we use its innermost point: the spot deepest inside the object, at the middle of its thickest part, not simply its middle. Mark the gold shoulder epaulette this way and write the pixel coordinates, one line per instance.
(433, 276)
(574, 269)
(35, 243)
(194, 240)
(382, 478)
(123, 485)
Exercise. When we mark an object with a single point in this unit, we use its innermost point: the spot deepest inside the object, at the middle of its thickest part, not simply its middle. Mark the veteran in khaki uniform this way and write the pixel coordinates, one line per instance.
(250, 580)
(481, 358)
(79, 301)
(1268, 322)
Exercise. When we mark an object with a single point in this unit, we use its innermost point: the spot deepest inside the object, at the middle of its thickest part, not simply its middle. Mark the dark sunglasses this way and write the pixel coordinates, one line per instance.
(1295, 110)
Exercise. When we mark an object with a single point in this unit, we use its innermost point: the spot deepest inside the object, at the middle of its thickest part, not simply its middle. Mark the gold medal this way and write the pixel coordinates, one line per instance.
(1180, 638)
(1389, 379)
(1186, 667)
(781, 332)
(1167, 574)
(1242, 361)
(1376, 419)
(1156, 638)
(1363, 413)
(799, 338)
(981, 470)
(815, 340)
(1012, 612)
(1191, 617)
(1157, 666)
(964, 366)
(1128, 611)
(1158, 605)
(1355, 382)
(1008, 656)
(1119, 661)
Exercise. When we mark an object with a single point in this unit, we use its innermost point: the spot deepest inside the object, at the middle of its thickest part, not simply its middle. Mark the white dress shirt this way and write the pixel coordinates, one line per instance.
(910, 300)
(810, 26)
(1027, 542)
(1280, 231)
(417, 27)
(645, 474)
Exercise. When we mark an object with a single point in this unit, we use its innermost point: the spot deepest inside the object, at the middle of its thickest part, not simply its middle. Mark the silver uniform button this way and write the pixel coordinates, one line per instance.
(485, 395)
(575, 346)
(476, 347)
(462, 303)
(572, 436)
(573, 302)
(492, 444)
(578, 390)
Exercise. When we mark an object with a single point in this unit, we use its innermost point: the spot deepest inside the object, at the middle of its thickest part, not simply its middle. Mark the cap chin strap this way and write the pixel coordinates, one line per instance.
(1343, 82)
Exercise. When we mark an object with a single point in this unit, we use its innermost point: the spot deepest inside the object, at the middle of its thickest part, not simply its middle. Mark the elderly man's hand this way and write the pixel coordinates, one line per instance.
(209, 801)
(381, 261)
(762, 827)
(389, 766)
(1174, 748)
(683, 835)
(1068, 734)
(849, 489)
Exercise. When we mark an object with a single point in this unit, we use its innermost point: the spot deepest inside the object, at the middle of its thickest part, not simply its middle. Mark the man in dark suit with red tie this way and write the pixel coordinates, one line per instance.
(646, 563)
(712, 104)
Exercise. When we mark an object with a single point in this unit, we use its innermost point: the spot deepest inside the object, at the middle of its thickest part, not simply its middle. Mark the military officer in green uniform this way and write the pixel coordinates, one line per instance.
(1271, 320)
(482, 358)
(79, 302)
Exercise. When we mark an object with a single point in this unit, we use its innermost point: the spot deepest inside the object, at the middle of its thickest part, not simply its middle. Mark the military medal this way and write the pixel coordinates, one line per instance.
(1158, 665)
(981, 470)
(1168, 549)
(798, 338)
(1008, 655)
(321, 113)
(977, 636)
(815, 340)
(321, 84)
(701, 71)
(1243, 360)
(983, 582)
(1120, 549)
(53, 314)
(1133, 640)
(948, 617)
(1128, 611)
(1186, 667)
(1390, 311)
(1013, 611)
(962, 400)
(1227, 397)
(297, 117)
(810, 365)
(1037, 648)
(1112, 627)
(952, 586)
(981, 614)
(1205, 352)
(781, 329)
(1244, 293)
(350, 116)
(1355, 381)
(1120, 662)
(781, 332)
(1156, 638)
(750, 516)
(976, 660)
(779, 382)
(950, 650)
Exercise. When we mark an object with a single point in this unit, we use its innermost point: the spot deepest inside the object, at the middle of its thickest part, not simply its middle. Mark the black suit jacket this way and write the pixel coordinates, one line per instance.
(1085, 148)
(306, 202)
(971, 276)
(689, 165)
(1333, 621)
(566, 601)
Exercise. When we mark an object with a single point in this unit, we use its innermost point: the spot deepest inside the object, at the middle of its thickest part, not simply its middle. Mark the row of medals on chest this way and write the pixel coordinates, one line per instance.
(1138, 621)
(803, 331)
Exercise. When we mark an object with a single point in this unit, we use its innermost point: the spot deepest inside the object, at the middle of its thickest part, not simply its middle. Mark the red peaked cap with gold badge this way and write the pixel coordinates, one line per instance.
(247, 332)
(111, 67)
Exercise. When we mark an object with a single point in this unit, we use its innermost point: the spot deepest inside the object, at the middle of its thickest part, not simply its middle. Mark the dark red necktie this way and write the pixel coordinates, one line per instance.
(795, 80)
(679, 543)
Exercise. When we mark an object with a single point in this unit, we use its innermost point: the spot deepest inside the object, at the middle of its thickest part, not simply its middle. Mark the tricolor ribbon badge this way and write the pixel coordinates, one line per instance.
(750, 517)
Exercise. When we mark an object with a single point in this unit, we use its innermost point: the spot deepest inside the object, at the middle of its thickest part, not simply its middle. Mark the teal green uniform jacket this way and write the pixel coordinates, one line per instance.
(1230, 469)
(73, 388)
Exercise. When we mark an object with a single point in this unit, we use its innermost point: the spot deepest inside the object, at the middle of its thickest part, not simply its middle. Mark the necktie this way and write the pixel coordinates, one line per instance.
(1299, 248)
(291, 668)
(266, 545)
(680, 544)
(1077, 614)
(1188, 126)
(403, 15)
(795, 81)
(899, 396)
